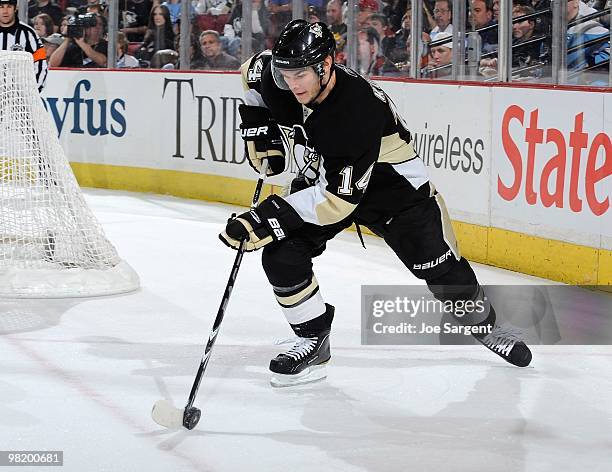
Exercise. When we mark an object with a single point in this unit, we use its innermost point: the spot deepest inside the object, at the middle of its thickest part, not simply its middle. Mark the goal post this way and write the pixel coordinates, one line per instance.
(51, 244)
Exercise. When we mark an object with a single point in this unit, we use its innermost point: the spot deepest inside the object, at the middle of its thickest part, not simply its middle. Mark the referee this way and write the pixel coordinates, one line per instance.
(17, 36)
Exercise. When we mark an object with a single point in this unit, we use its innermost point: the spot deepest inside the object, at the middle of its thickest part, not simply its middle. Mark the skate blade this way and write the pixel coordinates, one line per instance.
(164, 414)
(309, 375)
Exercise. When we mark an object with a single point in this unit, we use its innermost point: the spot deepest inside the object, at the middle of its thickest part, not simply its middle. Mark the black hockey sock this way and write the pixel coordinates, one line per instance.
(489, 322)
(316, 326)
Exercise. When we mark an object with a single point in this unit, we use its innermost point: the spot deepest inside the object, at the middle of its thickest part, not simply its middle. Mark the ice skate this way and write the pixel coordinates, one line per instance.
(506, 342)
(305, 362)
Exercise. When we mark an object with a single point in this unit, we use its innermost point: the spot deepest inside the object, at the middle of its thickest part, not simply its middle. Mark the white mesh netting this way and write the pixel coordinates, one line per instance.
(51, 245)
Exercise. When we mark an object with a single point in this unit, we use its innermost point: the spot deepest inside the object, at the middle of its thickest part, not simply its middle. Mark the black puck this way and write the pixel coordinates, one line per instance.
(191, 417)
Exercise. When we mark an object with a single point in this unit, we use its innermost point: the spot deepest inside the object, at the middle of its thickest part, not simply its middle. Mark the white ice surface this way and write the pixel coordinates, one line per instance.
(81, 375)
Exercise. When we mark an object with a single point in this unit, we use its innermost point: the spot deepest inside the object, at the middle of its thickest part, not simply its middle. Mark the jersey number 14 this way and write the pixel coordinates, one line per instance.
(346, 176)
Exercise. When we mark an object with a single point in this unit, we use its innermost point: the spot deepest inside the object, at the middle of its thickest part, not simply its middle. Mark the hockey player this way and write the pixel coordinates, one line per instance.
(17, 36)
(357, 164)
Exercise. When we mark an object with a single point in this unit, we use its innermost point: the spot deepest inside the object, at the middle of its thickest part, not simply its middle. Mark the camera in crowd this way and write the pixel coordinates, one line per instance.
(78, 23)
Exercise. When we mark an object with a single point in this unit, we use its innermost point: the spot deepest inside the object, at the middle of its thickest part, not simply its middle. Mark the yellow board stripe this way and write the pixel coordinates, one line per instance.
(556, 260)
(214, 188)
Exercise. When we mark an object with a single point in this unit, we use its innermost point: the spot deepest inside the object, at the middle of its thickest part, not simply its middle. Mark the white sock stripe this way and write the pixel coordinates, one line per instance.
(310, 309)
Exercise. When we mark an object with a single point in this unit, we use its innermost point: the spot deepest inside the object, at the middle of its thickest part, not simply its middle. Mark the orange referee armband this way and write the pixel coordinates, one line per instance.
(39, 55)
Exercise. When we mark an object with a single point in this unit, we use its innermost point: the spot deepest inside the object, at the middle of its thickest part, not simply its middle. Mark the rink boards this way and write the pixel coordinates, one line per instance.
(525, 171)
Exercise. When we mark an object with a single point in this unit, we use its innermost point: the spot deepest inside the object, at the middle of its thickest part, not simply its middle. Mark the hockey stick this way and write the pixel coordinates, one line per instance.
(163, 412)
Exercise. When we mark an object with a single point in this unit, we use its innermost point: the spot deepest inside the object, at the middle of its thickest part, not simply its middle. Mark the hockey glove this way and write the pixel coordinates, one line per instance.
(262, 139)
(271, 221)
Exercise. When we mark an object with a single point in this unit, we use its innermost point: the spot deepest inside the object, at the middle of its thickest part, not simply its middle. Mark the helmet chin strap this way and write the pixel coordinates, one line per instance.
(322, 85)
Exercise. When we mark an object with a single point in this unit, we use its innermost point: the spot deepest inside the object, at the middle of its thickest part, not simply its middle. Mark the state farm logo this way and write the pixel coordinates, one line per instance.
(550, 184)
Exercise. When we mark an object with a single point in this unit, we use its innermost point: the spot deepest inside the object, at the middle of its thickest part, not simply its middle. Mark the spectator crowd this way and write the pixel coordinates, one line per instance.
(75, 34)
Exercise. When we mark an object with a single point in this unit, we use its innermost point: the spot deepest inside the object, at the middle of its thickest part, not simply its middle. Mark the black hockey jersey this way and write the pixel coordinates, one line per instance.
(353, 148)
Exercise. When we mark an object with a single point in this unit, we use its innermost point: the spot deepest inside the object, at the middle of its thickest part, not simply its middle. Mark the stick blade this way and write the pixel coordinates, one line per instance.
(166, 415)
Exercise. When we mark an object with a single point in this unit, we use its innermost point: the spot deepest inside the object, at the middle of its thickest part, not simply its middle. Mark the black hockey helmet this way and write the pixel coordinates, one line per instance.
(302, 44)
(8, 2)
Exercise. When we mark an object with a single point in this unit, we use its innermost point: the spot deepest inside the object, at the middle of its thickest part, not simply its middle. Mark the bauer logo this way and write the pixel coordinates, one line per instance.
(276, 228)
(434, 263)
(79, 114)
(252, 132)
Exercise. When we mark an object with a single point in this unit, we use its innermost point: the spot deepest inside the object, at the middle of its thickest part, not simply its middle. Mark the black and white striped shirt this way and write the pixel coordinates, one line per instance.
(21, 37)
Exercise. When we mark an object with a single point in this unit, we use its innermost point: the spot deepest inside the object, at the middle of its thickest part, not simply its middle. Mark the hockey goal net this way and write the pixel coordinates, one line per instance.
(51, 245)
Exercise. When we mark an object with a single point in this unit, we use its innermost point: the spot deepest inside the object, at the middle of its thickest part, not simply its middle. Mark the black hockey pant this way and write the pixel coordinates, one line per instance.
(421, 236)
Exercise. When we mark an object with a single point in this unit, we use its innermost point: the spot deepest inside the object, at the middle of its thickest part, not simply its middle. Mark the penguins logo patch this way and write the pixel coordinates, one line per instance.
(304, 159)
(316, 30)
